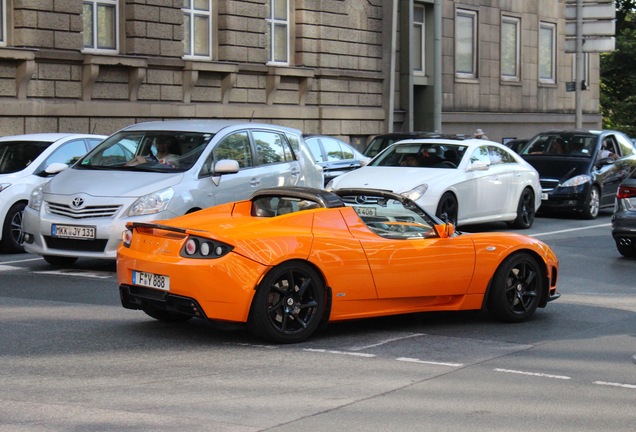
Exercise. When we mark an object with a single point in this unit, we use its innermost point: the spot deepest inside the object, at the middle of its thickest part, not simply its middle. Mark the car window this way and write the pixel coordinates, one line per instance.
(500, 156)
(270, 206)
(17, 155)
(625, 145)
(272, 147)
(391, 218)
(236, 147)
(68, 153)
(334, 150)
(480, 154)
(425, 155)
(314, 148)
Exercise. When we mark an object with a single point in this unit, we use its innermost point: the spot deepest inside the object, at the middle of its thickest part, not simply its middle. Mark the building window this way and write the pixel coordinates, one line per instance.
(466, 44)
(100, 25)
(418, 40)
(278, 21)
(197, 34)
(510, 48)
(547, 53)
(3, 23)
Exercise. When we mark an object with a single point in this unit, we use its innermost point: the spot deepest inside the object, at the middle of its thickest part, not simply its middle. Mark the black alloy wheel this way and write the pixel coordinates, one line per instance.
(289, 304)
(12, 234)
(525, 210)
(448, 205)
(516, 288)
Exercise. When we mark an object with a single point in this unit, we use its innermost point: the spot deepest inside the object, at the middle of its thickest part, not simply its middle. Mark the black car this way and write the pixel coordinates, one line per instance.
(380, 142)
(580, 170)
(517, 144)
(624, 218)
(334, 156)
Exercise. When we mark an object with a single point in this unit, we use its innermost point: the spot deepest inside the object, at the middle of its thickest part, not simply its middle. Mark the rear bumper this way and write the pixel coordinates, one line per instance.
(134, 297)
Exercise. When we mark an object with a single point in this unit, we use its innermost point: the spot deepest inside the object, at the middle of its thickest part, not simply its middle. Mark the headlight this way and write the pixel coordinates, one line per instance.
(416, 193)
(577, 181)
(152, 203)
(3, 186)
(126, 237)
(35, 200)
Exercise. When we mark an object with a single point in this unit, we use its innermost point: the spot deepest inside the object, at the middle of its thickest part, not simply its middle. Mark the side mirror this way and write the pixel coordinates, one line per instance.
(54, 168)
(445, 230)
(222, 167)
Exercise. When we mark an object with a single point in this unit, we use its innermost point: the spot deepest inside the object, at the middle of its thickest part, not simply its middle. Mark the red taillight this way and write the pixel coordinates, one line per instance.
(625, 192)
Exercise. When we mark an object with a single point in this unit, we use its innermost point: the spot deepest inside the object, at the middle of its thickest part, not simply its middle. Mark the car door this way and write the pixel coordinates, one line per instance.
(420, 267)
(484, 191)
(276, 164)
(608, 171)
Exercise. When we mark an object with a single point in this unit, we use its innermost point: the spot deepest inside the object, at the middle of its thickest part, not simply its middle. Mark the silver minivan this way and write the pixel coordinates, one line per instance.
(154, 171)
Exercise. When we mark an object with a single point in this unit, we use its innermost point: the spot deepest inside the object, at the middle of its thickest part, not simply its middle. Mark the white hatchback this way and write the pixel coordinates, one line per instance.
(23, 163)
(159, 170)
(468, 182)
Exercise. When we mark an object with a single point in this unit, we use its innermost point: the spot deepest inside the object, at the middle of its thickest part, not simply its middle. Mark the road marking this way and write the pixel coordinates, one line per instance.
(629, 386)
(571, 230)
(9, 268)
(21, 261)
(355, 354)
(537, 374)
(75, 272)
(386, 341)
(414, 360)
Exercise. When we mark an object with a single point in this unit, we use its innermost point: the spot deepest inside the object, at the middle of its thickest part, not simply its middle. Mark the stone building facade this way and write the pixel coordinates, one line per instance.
(335, 67)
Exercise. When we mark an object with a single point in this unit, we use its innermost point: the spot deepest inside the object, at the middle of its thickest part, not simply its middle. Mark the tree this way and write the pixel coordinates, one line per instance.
(618, 73)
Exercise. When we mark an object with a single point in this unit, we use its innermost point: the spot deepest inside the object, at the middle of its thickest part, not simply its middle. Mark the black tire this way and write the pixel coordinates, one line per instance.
(516, 288)
(592, 204)
(288, 305)
(166, 316)
(448, 204)
(59, 261)
(12, 234)
(628, 251)
(525, 210)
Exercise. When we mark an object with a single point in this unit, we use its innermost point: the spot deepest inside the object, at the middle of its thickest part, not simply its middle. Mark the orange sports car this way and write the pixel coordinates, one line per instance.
(289, 259)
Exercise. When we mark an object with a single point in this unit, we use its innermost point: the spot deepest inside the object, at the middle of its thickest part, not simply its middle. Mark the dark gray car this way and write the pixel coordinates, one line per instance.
(624, 218)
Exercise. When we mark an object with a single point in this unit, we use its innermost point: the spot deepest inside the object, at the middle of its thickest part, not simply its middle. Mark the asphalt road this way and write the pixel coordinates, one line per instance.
(72, 359)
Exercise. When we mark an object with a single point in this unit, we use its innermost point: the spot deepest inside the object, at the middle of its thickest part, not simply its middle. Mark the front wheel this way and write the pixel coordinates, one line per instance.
(12, 234)
(288, 305)
(525, 210)
(516, 288)
(448, 205)
(592, 204)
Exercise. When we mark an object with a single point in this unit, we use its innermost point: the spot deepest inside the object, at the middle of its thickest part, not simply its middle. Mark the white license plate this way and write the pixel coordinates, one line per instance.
(365, 211)
(544, 196)
(151, 280)
(73, 231)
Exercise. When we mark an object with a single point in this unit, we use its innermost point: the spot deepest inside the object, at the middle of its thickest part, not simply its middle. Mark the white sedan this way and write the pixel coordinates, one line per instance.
(465, 182)
(23, 161)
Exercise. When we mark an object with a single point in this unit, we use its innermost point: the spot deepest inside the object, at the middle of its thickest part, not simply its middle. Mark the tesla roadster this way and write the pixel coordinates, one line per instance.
(290, 259)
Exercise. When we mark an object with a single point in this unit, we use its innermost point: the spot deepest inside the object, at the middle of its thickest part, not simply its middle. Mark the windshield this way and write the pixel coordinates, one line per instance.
(425, 155)
(563, 144)
(161, 151)
(17, 155)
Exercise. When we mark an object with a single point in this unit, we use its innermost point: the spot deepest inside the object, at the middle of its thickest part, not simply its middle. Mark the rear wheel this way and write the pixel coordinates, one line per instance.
(288, 305)
(516, 288)
(448, 205)
(12, 235)
(59, 261)
(525, 210)
(592, 204)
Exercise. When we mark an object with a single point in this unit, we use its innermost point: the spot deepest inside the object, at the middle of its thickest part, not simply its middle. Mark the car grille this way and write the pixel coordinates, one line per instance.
(549, 184)
(84, 212)
(75, 245)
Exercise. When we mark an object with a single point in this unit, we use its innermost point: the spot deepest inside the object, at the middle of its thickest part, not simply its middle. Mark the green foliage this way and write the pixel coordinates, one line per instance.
(618, 73)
